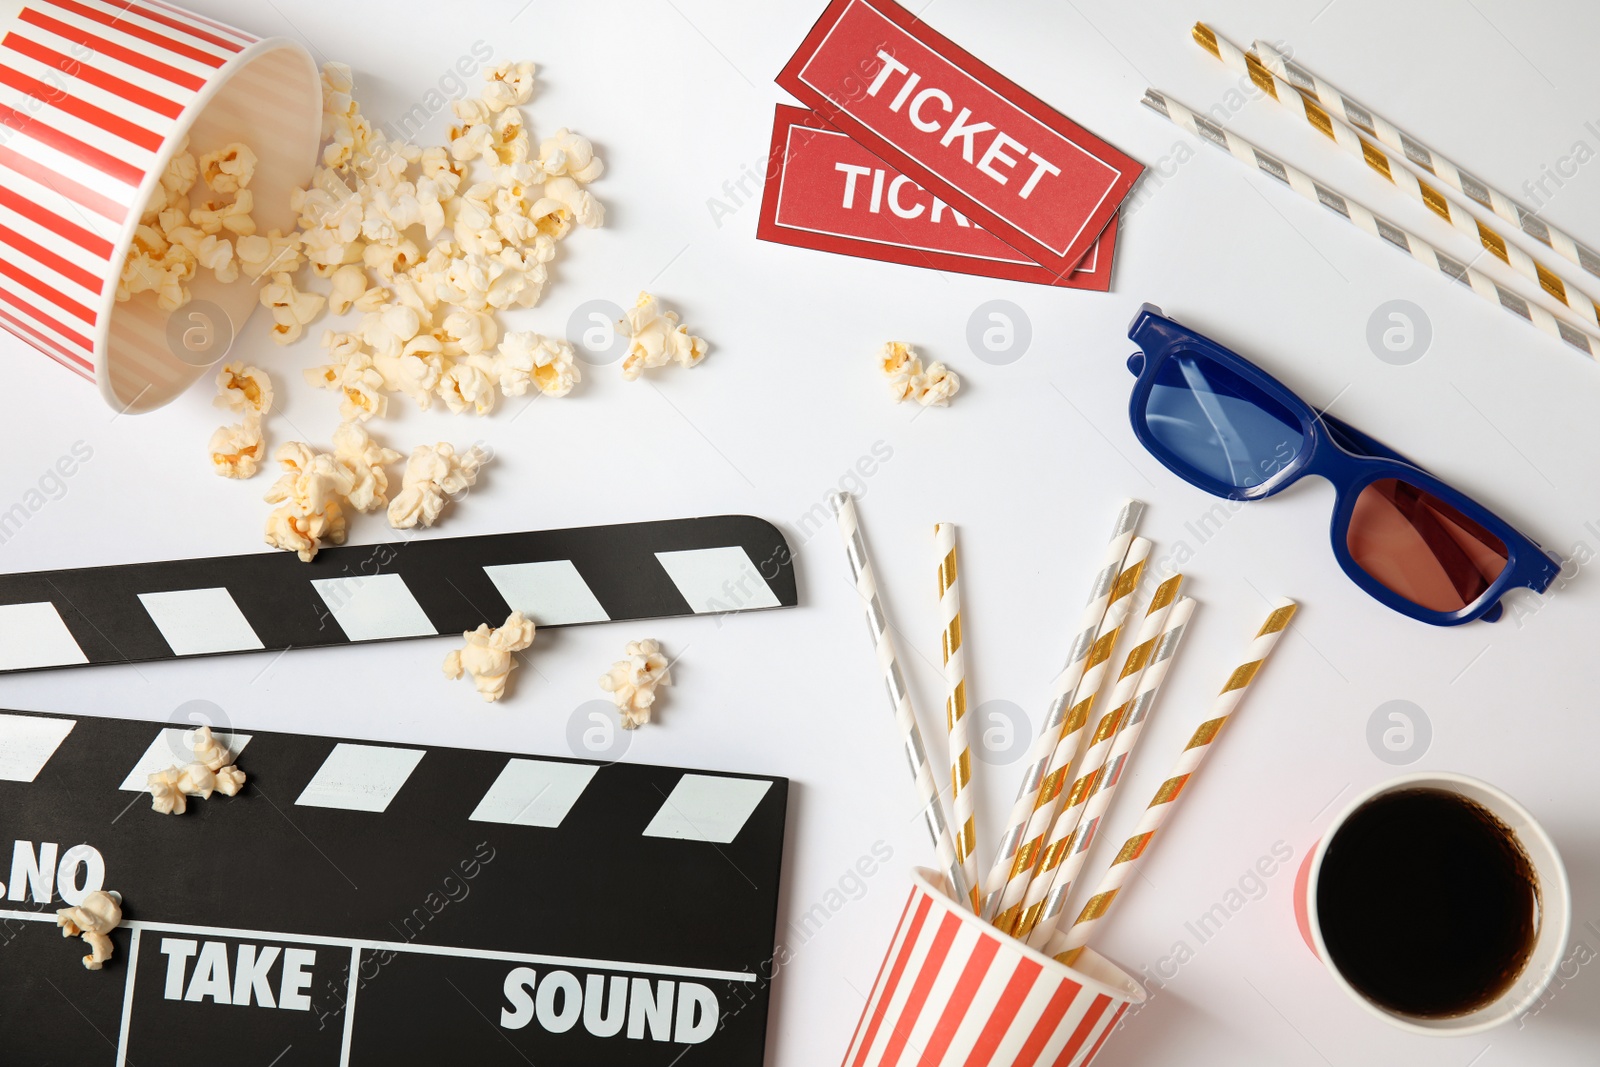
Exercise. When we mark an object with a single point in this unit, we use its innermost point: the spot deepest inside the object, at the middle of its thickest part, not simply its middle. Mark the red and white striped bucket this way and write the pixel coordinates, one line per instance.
(95, 96)
(954, 992)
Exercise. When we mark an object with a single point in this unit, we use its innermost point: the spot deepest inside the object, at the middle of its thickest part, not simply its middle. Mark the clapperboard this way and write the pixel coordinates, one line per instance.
(376, 904)
(420, 588)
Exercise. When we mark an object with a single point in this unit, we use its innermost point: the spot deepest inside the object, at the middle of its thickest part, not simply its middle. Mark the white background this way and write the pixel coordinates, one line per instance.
(1029, 462)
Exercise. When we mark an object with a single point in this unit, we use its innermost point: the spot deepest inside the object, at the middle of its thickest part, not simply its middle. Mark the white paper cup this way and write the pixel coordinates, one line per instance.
(954, 991)
(95, 96)
(1555, 906)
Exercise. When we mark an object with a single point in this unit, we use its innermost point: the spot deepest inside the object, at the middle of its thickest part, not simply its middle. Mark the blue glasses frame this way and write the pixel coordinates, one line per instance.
(1330, 449)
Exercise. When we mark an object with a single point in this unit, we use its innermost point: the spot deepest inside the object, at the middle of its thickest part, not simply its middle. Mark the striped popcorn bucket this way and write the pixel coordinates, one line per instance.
(955, 992)
(96, 96)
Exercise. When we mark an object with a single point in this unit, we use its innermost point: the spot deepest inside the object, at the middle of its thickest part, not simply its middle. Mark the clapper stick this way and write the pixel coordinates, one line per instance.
(140, 612)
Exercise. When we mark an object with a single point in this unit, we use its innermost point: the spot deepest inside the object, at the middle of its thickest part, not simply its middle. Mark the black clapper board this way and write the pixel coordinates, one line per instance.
(491, 908)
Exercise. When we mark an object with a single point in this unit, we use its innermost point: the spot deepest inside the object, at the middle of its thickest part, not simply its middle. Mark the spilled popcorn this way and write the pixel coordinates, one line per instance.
(237, 450)
(242, 388)
(434, 474)
(487, 656)
(931, 387)
(310, 494)
(212, 771)
(364, 458)
(318, 490)
(632, 681)
(416, 251)
(656, 338)
(99, 913)
(938, 385)
(292, 310)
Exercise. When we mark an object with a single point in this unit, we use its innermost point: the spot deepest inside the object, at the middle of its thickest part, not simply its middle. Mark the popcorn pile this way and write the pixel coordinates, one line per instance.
(487, 655)
(908, 380)
(94, 918)
(212, 771)
(177, 236)
(424, 247)
(632, 681)
(427, 244)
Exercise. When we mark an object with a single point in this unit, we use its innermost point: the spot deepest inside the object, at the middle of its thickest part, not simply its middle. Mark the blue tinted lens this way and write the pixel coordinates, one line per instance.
(1220, 424)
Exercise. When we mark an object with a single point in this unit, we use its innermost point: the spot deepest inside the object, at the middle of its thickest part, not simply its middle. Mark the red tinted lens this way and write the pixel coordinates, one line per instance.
(1422, 548)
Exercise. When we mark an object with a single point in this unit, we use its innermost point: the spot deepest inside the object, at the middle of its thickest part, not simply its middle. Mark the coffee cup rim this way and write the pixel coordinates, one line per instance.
(1555, 904)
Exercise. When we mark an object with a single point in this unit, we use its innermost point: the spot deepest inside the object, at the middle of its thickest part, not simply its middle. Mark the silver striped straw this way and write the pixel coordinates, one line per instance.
(1394, 167)
(899, 696)
(1092, 767)
(1073, 733)
(1044, 745)
(1100, 800)
(1420, 155)
(1584, 340)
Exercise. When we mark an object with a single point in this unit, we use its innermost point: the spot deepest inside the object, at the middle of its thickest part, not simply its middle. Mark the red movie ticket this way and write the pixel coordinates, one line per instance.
(913, 98)
(825, 191)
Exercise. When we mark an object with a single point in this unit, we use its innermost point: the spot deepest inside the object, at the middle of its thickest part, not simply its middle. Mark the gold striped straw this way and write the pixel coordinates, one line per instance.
(1038, 758)
(1058, 843)
(1155, 672)
(1583, 339)
(1420, 155)
(1447, 205)
(1067, 945)
(1066, 750)
(962, 802)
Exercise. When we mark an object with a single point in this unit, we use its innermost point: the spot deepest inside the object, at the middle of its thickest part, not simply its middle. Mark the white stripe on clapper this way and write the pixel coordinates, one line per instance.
(127, 999)
(532, 792)
(550, 592)
(374, 607)
(34, 635)
(27, 742)
(197, 622)
(351, 985)
(366, 945)
(360, 777)
(715, 580)
(703, 807)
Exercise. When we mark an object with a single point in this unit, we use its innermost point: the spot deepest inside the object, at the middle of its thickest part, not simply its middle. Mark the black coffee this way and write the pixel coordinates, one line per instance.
(1427, 903)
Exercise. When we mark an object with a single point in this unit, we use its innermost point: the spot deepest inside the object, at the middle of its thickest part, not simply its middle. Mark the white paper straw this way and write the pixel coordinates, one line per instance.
(1047, 802)
(1420, 155)
(1038, 757)
(1065, 945)
(1063, 830)
(1128, 734)
(899, 696)
(962, 799)
(1444, 202)
(1374, 224)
